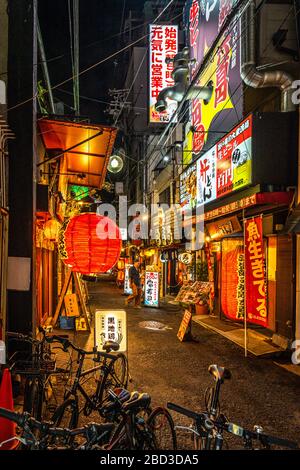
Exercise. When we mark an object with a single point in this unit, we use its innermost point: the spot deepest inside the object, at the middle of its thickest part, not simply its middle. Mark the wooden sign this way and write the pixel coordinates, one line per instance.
(184, 328)
(71, 305)
(80, 324)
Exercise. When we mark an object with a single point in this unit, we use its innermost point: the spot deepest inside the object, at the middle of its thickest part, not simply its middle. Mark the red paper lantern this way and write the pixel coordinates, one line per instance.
(90, 243)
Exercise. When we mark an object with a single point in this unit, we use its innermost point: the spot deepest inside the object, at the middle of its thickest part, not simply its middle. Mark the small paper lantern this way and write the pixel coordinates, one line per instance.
(51, 229)
(90, 243)
(121, 264)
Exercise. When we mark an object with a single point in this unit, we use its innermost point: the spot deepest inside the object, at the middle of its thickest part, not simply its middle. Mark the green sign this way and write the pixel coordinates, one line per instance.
(79, 192)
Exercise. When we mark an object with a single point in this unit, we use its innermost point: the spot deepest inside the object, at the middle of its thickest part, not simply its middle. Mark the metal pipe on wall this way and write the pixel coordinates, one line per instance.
(249, 72)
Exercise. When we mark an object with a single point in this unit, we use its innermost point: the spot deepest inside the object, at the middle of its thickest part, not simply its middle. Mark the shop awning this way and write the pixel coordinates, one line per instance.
(86, 147)
(260, 200)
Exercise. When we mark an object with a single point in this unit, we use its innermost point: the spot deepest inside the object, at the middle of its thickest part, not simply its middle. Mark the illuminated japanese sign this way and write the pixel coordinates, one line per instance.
(188, 188)
(233, 278)
(111, 325)
(234, 159)
(206, 177)
(151, 289)
(204, 20)
(226, 167)
(256, 291)
(163, 43)
(127, 288)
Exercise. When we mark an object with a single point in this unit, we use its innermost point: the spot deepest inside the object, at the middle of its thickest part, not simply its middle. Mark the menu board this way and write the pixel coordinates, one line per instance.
(151, 289)
(194, 293)
(184, 325)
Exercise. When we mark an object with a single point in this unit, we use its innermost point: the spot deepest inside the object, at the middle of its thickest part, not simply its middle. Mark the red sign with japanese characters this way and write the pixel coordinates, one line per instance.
(163, 44)
(233, 278)
(256, 292)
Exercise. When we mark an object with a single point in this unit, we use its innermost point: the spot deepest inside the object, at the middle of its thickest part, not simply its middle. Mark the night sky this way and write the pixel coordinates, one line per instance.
(99, 21)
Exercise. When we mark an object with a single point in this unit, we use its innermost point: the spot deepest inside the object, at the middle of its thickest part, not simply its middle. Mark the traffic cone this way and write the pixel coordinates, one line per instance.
(7, 427)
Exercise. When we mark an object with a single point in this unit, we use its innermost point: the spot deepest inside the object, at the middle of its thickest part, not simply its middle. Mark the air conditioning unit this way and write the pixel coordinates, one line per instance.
(278, 36)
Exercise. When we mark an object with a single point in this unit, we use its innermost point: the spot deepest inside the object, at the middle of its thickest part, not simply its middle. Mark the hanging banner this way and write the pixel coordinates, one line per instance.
(233, 279)
(163, 43)
(203, 21)
(256, 292)
(151, 289)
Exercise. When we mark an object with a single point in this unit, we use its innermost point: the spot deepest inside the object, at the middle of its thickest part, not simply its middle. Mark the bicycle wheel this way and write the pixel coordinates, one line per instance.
(66, 415)
(161, 426)
(33, 398)
(116, 375)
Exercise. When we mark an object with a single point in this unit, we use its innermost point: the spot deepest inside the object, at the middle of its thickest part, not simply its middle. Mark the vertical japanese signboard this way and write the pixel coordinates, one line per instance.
(163, 43)
(204, 21)
(151, 289)
(111, 325)
(233, 279)
(188, 188)
(206, 177)
(127, 288)
(256, 291)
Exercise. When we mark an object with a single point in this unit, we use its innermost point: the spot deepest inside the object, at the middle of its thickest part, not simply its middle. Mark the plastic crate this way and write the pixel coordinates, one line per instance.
(67, 323)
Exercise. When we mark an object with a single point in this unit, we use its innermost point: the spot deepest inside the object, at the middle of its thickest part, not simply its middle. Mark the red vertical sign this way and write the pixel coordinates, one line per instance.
(256, 293)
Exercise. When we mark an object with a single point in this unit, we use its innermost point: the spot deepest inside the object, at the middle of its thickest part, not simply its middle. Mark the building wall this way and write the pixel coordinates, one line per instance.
(3, 52)
(22, 187)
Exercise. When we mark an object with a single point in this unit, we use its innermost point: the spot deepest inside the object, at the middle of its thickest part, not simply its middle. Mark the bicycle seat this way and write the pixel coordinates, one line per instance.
(136, 401)
(219, 373)
(110, 346)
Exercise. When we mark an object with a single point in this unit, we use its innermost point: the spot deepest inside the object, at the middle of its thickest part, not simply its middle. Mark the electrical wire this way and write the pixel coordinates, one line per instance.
(87, 69)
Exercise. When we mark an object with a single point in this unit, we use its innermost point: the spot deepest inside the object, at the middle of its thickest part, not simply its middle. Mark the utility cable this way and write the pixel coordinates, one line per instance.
(91, 67)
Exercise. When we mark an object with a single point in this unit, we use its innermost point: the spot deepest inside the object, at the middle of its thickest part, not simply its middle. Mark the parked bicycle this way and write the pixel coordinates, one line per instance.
(134, 431)
(37, 435)
(111, 371)
(138, 426)
(37, 367)
(208, 427)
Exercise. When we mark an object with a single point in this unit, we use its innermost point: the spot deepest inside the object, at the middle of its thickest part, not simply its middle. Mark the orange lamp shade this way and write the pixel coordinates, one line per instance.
(51, 229)
(90, 244)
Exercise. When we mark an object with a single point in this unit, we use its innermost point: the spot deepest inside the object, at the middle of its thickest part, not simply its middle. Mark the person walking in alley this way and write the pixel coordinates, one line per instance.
(135, 284)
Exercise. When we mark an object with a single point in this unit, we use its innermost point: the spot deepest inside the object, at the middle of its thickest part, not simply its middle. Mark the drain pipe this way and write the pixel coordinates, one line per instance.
(180, 76)
(251, 75)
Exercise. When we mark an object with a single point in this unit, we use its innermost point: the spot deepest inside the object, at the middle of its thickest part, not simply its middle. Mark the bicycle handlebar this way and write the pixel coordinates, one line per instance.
(23, 419)
(66, 343)
(265, 439)
(199, 418)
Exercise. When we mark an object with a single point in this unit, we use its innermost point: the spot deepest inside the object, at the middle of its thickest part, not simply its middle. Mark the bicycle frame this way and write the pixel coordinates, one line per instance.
(77, 387)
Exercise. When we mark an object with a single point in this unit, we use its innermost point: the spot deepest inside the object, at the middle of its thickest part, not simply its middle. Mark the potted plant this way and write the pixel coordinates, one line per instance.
(202, 304)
